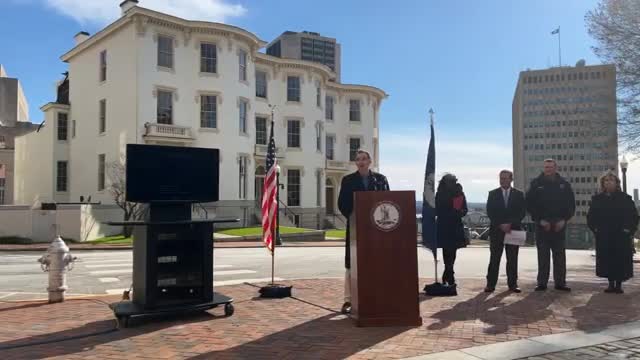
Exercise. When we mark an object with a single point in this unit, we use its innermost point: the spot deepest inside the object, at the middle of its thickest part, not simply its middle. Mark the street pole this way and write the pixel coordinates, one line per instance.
(624, 165)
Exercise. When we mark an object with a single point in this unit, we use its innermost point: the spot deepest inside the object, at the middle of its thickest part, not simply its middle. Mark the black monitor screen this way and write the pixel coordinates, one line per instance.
(169, 173)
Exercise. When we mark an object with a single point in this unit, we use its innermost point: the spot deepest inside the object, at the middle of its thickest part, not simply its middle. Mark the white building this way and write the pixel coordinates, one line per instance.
(154, 78)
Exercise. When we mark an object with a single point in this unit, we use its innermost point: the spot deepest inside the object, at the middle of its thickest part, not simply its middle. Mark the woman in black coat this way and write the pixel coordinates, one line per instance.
(451, 207)
(613, 218)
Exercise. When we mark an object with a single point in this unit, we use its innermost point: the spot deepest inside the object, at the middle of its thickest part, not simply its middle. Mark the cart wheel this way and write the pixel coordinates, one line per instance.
(123, 321)
(228, 309)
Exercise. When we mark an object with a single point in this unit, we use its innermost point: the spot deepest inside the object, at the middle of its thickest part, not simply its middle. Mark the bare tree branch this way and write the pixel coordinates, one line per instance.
(117, 188)
(615, 25)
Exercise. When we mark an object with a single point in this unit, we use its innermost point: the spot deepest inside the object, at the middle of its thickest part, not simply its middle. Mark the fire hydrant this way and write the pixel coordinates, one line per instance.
(57, 261)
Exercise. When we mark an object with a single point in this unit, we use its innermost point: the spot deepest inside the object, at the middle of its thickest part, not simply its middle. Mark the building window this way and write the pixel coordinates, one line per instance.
(318, 94)
(208, 58)
(208, 111)
(319, 136)
(354, 146)
(261, 84)
(261, 130)
(293, 187)
(354, 110)
(293, 133)
(103, 65)
(2, 183)
(242, 61)
(328, 107)
(61, 176)
(103, 116)
(165, 51)
(293, 88)
(318, 188)
(165, 107)
(330, 145)
(63, 126)
(101, 171)
(242, 177)
(244, 105)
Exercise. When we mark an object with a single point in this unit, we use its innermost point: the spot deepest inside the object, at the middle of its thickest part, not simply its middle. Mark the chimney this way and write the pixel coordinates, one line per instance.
(81, 37)
(128, 4)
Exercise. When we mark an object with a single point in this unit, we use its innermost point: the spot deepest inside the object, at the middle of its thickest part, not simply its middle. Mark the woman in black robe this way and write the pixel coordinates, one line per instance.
(451, 207)
(613, 218)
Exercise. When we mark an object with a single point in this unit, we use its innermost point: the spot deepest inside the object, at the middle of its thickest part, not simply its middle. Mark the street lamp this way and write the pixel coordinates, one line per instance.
(624, 165)
(278, 239)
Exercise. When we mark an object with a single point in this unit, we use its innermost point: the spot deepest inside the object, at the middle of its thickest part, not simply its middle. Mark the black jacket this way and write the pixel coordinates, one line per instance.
(613, 218)
(550, 199)
(350, 184)
(449, 226)
(513, 214)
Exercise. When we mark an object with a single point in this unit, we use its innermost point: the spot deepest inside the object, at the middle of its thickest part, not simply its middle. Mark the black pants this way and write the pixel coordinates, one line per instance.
(449, 256)
(554, 242)
(497, 246)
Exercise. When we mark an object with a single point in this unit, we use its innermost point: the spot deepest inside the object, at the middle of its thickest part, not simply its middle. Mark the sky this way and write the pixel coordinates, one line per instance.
(460, 57)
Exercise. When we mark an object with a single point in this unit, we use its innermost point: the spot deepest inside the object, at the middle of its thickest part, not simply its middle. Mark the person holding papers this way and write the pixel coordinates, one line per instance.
(506, 208)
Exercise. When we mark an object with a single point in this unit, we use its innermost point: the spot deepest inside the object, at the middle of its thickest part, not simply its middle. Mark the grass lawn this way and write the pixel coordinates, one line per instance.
(111, 240)
(335, 233)
(258, 231)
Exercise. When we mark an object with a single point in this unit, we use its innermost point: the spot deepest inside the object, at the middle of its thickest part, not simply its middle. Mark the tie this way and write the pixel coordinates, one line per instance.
(506, 198)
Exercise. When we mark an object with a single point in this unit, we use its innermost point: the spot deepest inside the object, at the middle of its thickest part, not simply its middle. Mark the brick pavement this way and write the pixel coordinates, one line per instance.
(625, 349)
(293, 329)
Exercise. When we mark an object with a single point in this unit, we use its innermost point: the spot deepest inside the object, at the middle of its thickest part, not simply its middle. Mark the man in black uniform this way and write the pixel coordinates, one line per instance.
(551, 203)
(361, 180)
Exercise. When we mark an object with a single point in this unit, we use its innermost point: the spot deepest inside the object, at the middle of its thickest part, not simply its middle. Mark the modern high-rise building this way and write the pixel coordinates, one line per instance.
(567, 114)
(309, 46)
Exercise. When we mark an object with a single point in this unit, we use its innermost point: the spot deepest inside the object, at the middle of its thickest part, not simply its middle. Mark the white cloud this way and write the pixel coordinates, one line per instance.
(101, 12)
(474, 161)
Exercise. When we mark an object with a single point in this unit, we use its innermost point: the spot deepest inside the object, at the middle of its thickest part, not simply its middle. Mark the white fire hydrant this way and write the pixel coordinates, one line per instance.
(57, 261)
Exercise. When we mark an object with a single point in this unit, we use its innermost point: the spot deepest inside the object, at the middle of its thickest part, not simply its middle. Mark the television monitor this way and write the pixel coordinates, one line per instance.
(156, 173)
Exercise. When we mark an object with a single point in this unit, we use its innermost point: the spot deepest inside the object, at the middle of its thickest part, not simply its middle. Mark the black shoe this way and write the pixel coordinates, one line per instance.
(515, 289)
(610, 290)
(541, 288)
(489, 289)
(563, 288)
(346, 308)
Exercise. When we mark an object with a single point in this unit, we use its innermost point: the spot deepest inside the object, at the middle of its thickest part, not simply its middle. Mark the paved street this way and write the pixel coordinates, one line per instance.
(109, 272)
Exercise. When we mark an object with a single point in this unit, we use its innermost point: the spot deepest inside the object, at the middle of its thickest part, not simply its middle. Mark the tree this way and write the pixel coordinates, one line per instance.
(117, 188)
(615, 25)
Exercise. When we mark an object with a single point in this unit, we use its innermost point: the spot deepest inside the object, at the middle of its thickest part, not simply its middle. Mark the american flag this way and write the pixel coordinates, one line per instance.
(269, 201)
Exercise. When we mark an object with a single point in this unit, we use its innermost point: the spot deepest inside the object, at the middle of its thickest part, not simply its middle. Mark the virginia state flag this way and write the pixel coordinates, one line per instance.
(429, 199)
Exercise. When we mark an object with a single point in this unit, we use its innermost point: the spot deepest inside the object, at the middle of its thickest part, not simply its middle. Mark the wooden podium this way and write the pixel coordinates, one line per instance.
(384, 260)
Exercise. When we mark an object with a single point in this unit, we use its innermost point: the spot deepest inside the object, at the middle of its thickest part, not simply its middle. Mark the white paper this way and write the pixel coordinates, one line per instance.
(515, 237)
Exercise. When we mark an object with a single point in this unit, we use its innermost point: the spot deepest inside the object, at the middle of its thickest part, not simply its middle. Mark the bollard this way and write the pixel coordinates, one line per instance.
(57, 261)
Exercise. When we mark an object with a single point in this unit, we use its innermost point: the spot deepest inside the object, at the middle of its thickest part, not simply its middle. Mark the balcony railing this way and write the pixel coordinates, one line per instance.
(168, 132)
(261, 150)
(337, 165)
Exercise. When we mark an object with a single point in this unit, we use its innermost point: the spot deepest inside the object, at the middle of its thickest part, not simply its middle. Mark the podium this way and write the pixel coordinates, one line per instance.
(384, 259)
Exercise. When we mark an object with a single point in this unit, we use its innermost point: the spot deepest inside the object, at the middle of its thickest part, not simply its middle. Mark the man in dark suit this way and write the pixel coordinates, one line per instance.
(506, 208)
(361, 180)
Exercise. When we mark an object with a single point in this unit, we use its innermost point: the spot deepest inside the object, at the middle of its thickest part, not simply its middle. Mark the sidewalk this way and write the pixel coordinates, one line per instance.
(225, 244)
(309, 327)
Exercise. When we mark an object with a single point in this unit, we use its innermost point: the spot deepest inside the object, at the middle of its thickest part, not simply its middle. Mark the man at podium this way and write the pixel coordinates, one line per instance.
(362, 180)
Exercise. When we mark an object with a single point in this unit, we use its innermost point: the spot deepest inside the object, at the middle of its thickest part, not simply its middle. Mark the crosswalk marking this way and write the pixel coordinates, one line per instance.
(108, 279)
(232, 272)
(107, 265)
(111, 272)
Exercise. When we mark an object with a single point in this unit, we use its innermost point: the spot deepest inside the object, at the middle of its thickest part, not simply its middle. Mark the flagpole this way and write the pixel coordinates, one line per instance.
(559, 49)
(274, 242)
(435, 253)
